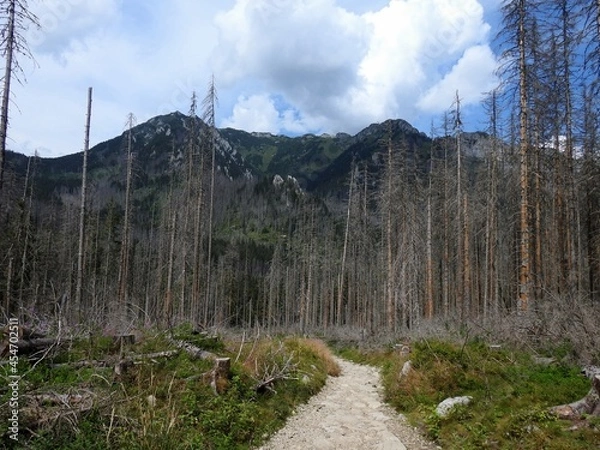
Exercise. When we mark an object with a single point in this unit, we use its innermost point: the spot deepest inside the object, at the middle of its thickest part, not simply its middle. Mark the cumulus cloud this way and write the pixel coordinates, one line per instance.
(472, 76)
(342, 69)
(256, 113)
(284, 66)
(143, 57)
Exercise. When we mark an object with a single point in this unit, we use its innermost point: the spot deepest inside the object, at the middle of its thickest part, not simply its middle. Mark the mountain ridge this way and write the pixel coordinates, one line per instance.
(318, 162)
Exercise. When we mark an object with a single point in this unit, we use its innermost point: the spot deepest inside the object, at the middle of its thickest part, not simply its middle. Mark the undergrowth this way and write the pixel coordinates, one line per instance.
(167, 402)
(511, 395)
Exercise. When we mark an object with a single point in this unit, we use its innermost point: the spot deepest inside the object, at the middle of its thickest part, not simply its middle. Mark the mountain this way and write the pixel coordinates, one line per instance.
(159, 146)
(368, 146)
(302, 157)
(319, 163)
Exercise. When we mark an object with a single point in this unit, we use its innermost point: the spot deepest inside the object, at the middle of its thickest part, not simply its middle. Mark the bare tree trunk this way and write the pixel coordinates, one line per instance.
(345, 251)
(429, 249)
(125, 241)
(390, 291)
(468, 303)
(26, 229)
(524, 259)
(10, 42)
(461, 303)
(491, 234)
(446, 231)
(82, 213)
(198, 227)
(209, 104)
(571, 216)
(13, 43)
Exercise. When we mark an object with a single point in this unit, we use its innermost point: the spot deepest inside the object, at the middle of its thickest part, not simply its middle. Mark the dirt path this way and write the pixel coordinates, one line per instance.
(348, 414)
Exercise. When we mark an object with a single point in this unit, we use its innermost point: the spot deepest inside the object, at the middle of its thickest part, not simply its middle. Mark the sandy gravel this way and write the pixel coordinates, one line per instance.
(348, 414)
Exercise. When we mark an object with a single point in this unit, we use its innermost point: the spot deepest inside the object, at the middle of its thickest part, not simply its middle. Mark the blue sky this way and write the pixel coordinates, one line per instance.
(282, 66)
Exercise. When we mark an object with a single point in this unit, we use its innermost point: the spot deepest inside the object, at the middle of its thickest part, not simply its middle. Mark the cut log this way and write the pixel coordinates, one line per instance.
(588, 405)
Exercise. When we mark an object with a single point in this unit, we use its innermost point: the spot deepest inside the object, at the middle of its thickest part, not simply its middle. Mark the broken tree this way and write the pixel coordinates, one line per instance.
(588, 405)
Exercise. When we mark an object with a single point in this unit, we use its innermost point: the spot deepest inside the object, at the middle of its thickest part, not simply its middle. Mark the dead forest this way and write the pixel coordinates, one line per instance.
(425, 233)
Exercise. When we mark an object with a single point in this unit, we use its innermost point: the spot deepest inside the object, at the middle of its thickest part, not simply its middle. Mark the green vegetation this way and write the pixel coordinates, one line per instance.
(511, 395)
(165, 402)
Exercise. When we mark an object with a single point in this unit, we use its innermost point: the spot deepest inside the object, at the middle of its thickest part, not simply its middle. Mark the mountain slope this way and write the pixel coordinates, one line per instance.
(319, 163)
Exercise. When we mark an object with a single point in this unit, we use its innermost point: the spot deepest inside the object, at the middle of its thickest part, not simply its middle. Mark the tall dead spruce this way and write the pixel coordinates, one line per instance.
(16, 20)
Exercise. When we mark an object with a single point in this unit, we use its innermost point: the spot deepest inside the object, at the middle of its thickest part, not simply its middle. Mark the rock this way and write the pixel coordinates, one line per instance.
(445, 408)
(543, 361)
(406, 368)
(151, 400)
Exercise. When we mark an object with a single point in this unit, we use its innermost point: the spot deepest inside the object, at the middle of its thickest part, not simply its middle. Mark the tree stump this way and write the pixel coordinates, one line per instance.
(124, 340)
(220, 375)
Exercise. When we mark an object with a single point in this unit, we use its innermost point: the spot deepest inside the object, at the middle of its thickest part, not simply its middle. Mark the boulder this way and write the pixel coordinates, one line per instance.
(444, 409)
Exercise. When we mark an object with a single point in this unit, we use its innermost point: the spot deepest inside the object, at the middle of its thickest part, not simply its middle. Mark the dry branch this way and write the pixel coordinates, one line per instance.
(47, 410)
(274, 371)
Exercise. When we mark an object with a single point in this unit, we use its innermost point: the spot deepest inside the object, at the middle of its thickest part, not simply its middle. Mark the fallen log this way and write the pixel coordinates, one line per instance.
(125, 363)
(193, 351)
(31, 346)
(52, 410)
(105, 363)
(22, 332)
(588, 405)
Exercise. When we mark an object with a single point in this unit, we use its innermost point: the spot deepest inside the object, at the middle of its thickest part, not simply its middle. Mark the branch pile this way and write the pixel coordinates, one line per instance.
(278, 366)
(51, 410)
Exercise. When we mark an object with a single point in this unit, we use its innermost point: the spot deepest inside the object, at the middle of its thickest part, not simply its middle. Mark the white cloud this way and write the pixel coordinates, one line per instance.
(256, 113)
(472, 76)
(261, 112)
(290, 66)
(342, 70)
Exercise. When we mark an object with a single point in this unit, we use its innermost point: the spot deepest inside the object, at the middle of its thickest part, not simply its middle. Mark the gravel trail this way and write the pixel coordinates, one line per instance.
(348, 414)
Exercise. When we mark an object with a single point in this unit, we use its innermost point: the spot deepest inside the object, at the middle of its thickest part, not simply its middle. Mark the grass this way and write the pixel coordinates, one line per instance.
(167, 403)
(511, 395)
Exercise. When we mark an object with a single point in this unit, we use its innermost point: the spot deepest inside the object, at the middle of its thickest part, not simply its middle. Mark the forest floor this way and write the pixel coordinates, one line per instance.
(348, 414)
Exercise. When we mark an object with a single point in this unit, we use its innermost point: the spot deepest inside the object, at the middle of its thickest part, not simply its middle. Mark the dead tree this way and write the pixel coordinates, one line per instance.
(82, 211)
(16, 20)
